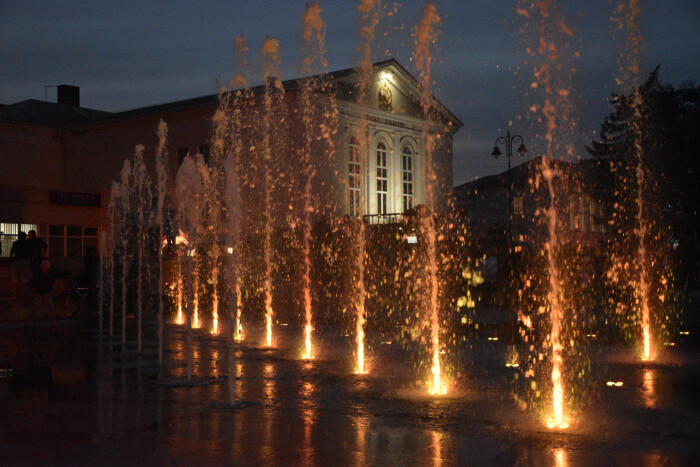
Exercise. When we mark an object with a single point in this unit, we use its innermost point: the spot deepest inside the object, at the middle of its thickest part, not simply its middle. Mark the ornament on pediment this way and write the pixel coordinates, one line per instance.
(385, 97)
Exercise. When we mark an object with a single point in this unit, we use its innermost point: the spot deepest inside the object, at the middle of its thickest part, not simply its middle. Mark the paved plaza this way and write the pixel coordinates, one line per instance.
(71, 398)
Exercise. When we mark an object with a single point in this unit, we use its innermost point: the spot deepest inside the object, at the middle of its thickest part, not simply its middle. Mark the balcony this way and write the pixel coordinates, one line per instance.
(384, 219)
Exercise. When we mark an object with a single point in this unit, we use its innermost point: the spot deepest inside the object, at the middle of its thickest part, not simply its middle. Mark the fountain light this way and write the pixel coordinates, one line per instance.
(647, 338)
(437, 388)
(553, 424)
(307, 343)
(361, 367)
(180, 318)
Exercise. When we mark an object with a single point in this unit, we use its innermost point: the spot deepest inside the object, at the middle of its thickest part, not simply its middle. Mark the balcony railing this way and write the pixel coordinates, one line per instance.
(381, 219)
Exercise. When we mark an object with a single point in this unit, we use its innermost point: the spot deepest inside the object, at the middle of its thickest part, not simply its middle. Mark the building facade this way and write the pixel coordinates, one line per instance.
(486, 204)
(59, 159)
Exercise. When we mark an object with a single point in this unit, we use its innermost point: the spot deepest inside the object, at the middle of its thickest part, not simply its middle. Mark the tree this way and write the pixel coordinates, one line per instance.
(664, 122)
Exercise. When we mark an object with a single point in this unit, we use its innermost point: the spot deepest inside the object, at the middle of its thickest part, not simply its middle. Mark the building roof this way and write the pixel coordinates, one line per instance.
(49, 114)
(65, 116)
(519, 174)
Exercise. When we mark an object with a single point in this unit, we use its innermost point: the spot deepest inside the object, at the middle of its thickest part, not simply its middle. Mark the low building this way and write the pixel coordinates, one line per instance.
(487, 204)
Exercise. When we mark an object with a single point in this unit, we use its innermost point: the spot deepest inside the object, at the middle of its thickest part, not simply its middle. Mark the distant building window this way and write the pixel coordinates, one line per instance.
(585, 214)
(407, 170)
(354, 176)
(382, 178)
(181, 154)
(9, 232)
(204, 151)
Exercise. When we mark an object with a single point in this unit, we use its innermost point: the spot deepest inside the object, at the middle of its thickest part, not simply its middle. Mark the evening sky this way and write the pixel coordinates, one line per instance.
(126, 54)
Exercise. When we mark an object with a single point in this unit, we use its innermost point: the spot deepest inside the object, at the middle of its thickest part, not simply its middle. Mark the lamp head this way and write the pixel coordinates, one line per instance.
(496, 152)
(522, 150)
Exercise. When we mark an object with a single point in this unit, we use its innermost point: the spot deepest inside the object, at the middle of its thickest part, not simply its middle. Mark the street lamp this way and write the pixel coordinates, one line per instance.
(508, 141)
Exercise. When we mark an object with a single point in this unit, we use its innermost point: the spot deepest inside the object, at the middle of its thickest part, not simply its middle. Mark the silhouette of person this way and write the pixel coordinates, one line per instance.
(35, 248)
(20, 260)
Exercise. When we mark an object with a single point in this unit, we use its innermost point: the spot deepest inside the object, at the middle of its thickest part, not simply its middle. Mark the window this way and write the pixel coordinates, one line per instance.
(354, 176)
(8, 234)
(407, 170)
(57, 241)
(204, 151)
(382, 179)
(585, 214)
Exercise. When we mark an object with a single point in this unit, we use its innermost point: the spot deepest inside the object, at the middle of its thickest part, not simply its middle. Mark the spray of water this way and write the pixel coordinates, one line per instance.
(231, 169)
(180, 295)
(368, 21)
(188, 193)
(627, 16)
(269, 57)
(101, 279)
(425, 34)
(161, 177)
(314, 32)
(550, 78)
(114, 208)
(142, 201)
(233, 203)
(124, 194)
(556, 311)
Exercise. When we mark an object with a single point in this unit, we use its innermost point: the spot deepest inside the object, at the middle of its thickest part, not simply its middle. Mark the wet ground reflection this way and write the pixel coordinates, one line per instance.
(102, 404)
(649, 394)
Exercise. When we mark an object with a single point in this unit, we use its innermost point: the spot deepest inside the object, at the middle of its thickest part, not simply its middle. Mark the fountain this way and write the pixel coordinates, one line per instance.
(269, 57)
(210, 205)
(314, 35)
(252, 250)
(628, 20)
(368, 22)
(552, 76)
(425, 34)
(161, 174)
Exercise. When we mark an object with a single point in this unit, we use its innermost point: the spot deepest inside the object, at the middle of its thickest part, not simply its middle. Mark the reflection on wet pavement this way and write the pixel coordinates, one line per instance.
(92, 403)
(649, 394)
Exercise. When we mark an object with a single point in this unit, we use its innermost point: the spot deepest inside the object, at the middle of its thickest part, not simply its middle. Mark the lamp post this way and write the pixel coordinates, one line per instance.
(508, 141)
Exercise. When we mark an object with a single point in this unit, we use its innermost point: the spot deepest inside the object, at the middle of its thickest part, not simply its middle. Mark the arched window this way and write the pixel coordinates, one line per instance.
(382, 178)
(354, 176)
(407, 170)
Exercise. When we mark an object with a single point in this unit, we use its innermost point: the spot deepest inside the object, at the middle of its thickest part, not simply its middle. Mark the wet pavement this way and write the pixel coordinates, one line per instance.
(70, 398)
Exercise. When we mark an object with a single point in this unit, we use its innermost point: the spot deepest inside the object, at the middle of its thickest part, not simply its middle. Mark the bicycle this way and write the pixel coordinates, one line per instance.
(71, 302)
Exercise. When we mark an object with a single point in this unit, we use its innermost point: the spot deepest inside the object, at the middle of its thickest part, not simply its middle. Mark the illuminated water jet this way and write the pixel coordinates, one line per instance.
(368, 21)
(269, 56)
(425, 34)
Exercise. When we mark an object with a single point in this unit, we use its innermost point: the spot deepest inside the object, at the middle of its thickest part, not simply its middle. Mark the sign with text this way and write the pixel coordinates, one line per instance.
(75, 199)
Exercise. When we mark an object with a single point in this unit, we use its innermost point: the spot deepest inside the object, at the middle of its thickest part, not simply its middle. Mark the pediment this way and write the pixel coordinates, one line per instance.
(391, 89)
